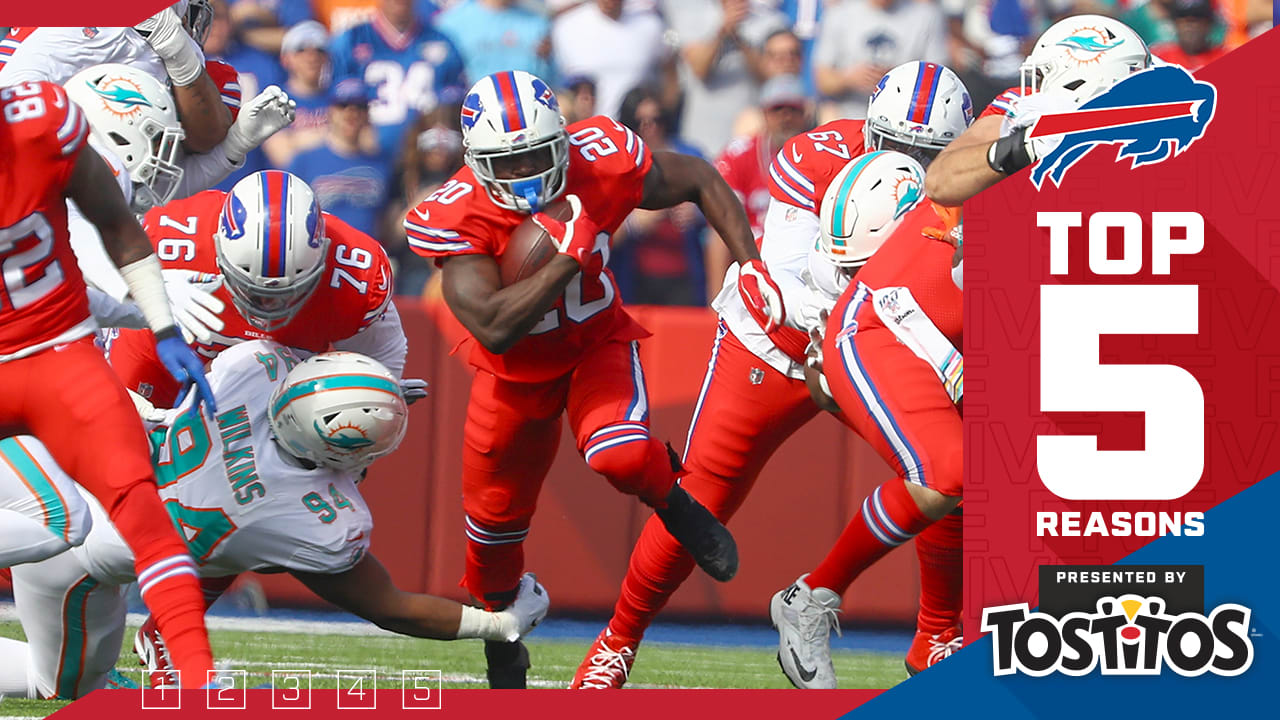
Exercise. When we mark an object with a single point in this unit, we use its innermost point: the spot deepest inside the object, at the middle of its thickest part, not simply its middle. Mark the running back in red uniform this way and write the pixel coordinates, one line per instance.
(807, 163)
(354, 292)
(607, 165)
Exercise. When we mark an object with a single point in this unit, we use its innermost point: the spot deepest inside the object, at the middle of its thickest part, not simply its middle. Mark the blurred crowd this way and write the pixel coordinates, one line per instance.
(379, 84)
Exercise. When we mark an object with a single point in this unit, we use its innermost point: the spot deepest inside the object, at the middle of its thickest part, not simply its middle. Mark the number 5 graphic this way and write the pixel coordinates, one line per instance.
(1072, 318)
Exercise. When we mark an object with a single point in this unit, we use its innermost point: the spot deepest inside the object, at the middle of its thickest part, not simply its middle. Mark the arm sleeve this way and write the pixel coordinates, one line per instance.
(785, 252)
(203, 171)
(383, 341)
(112, 313)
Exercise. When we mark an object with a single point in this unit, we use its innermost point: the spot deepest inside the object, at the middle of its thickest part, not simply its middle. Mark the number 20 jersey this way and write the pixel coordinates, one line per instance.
(607, 167)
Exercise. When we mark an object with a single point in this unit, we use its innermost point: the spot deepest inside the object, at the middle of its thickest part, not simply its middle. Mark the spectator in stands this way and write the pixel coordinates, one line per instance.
(409, 65)
(720, 45)
(782, 54)
(1194, 22)
(432, 154)
(577, 98)
(304, 53)
(657, 254)
(497, 35)
(341, 15)
(263, 23)
(348, 181)
(861, 40)
(787, 112)
(618, 46)
(805, 19)
(989, 40)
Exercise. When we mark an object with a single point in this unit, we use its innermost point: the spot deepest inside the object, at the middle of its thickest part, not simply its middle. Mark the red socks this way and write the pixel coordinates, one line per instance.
(941, 569)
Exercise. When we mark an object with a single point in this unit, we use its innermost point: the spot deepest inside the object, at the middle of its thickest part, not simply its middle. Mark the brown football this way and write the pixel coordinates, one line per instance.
(529, 247)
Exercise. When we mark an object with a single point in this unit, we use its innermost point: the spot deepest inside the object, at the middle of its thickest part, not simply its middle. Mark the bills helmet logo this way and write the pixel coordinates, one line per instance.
(880, 86)
(471, 109)
(234, 215)
(1152, 115)
(542, 93)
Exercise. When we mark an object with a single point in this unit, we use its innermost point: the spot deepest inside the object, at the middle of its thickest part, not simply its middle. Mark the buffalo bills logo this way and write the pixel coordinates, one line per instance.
(314, 227)
(1153, 115)
(544, 96)
(471, 109)
(966, 107)
(233, 217)
(879, 86)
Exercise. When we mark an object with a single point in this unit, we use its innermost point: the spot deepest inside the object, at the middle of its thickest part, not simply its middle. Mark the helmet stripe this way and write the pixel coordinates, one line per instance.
(266, 223)
(346, 381)
(926, 89)
(274, 215)
(842, 198)
(282, 222)
(512, 112)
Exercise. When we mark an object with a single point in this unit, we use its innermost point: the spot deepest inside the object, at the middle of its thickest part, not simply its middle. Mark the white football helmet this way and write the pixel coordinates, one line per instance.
(1082, 56)
(133, 115)
(515, 140)
(916, 109)
(339, 409)
(865, 203)
(271, 246)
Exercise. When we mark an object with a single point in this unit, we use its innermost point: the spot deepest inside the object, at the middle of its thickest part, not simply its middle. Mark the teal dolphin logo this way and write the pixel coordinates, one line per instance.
(909, 198)
(344, 442)
(1089, 44)
(128, 97)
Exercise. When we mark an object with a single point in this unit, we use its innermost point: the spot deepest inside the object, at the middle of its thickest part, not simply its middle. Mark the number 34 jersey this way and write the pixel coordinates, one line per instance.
(241, 503)
(353, 293)
(607, 166)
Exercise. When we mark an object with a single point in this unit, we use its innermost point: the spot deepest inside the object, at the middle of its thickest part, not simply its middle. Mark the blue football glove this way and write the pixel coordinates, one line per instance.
(185, 367)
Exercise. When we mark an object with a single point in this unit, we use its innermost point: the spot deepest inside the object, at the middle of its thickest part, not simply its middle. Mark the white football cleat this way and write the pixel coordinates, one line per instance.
(804, 619)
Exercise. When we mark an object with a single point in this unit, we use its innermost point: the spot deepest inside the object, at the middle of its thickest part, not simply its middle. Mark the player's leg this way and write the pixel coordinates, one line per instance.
(41, 511)
(609, 415)
(896, 403)
(73, 624)
(510, 440)
(744, 412)
(939, 551)
(87, 419)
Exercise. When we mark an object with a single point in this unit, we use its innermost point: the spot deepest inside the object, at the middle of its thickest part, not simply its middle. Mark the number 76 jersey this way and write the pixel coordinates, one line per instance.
(353, 293)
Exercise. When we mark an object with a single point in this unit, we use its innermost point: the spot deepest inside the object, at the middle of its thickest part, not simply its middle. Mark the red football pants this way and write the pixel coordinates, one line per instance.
(510, 440)
(745, 411)
(69, 399)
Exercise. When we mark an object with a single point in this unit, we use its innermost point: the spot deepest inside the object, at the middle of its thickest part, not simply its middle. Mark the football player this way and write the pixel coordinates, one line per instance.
(54, 383)
(1074, 60)
(891, 361)
(270, 483)
(559, 339)
(740, 420)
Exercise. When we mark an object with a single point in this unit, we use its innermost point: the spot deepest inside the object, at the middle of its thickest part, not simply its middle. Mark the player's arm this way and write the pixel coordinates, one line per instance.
(961, 171)
(368, 591)
(499, 316)
(676, 178)
(204, 118)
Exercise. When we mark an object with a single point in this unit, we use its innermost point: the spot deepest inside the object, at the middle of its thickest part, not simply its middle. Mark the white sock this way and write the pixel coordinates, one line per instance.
(16, 679)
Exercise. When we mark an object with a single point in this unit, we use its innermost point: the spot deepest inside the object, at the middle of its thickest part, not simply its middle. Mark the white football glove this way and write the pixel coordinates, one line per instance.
(195, 310)
(529, 608)
(165, 33)
(268, 112)
(413, 389)
(148, 412)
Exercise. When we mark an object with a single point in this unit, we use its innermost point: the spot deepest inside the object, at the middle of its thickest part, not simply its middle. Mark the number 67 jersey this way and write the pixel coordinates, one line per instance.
(353, 294)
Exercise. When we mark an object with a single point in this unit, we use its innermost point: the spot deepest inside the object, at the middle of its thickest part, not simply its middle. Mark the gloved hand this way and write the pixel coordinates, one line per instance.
(575, 237)
(146, 411)
(813, 353)
(1014, 150)
(185, 367)
(761, 295)
(529, 608)
(191, 300)
(268, 112)
(166, 34)
(413, 389)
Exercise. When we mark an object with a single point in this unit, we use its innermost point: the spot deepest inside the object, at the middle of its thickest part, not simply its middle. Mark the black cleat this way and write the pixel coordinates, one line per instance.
(508, 663)
(706, 539)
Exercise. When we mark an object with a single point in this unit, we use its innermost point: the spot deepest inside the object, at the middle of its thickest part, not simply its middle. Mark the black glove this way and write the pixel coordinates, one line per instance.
(1011, 153)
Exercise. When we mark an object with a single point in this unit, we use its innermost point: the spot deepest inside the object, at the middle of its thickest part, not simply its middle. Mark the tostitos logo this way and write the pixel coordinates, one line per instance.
(1126, 635)
(120, 96)
(1086, 45)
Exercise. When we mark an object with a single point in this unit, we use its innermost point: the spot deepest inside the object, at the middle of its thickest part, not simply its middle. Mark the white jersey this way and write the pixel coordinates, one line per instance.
(56, 53)
(242, 503)
(96, 265)
(789, 233)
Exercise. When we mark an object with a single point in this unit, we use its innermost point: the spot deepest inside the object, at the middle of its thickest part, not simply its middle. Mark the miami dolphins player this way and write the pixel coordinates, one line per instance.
(269, 483)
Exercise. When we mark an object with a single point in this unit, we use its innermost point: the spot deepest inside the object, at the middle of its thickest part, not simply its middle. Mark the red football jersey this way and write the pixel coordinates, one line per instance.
(228, 82)
(744, 164)
(919, 261)
(1003, 104)
(808, 162)
(353, 292)
(42, 296)
(607, 166)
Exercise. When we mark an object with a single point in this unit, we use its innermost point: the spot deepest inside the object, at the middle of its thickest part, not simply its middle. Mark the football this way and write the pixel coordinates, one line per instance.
(529, 247)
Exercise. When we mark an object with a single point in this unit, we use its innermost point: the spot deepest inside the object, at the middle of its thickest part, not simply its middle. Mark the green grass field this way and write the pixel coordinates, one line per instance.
(668, 665)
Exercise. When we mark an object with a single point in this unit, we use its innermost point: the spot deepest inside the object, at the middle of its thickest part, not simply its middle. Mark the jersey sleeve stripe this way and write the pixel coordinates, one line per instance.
(430, 231)
(639, 152)
(70, 122)
(790, 192)
(800, 181)
(439, 247)
(78, 137)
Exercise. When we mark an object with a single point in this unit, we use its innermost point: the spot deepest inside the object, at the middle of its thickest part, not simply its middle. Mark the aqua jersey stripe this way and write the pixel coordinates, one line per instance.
(71, 667)
(842, 197)
(334, 382)
(35, 478)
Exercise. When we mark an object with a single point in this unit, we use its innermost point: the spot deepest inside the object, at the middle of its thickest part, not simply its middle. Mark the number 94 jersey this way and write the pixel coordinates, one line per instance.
(607, 166)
